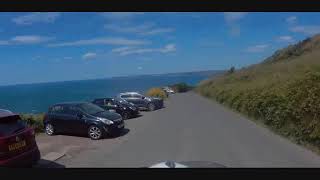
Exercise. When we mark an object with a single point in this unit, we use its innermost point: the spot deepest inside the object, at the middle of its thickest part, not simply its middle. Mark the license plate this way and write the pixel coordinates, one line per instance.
(17, 145)
(121, 125)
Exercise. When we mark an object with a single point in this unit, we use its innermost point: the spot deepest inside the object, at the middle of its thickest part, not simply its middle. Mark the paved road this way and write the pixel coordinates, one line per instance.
(190, 128)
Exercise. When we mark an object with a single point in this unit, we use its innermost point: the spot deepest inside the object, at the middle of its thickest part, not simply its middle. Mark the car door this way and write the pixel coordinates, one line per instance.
(139, 101)
(73, 122)
(56, 117)
(133, 99)
(128, 98)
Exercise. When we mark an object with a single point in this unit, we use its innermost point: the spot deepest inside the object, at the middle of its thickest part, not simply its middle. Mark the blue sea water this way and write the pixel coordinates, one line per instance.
(34, 98)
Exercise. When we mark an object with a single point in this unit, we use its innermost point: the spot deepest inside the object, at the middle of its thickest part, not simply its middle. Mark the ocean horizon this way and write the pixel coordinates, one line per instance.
(37, 97)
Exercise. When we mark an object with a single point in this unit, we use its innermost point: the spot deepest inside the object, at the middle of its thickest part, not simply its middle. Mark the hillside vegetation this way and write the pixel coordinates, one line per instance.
(181, 87)
(283, 91)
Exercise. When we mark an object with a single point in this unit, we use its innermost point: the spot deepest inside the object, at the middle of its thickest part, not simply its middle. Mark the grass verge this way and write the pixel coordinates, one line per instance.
(284, 95)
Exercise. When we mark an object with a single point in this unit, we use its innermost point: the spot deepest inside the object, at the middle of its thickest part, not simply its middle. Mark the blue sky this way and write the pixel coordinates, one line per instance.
(46, 47)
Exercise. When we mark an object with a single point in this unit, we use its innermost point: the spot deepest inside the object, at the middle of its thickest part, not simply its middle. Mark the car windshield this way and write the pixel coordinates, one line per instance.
(121, 101)
(241, 89)
(10, 124)
(90, 108)
(138, 95)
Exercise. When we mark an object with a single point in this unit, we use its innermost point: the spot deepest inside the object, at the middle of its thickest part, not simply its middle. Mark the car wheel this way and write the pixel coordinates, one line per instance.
(125, 116)
(151, 107)
(49, 129)
(94, 132)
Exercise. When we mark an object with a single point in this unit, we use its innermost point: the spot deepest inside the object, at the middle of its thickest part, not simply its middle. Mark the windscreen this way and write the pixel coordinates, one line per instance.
(10, 125)
(190, 87)
(90, 108)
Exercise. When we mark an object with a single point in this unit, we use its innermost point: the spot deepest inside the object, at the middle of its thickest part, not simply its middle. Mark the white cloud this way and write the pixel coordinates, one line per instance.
(232, 19)
(168, 48)
(307, 30)
(129, 29)
(257, 48)
(102, 41)
(25, 39)
(143, 29)
(89, 55)
(120, 15)
(37, 17)
(285, 39)
(158, 31)
(291, 19)
(134, 50)
(3, 42)
(122, 49)
(30, 39)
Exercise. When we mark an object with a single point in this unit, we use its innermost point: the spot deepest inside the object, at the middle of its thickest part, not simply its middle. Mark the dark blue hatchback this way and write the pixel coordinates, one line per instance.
(82, 118)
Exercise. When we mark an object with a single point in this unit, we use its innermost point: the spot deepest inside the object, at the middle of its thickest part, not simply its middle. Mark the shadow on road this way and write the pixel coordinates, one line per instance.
(146, 110)
(42, 163)
(134, 118)
(74, 135)
(122, 133)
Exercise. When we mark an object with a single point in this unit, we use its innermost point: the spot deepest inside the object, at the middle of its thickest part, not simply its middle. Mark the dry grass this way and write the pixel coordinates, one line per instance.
(157, 92)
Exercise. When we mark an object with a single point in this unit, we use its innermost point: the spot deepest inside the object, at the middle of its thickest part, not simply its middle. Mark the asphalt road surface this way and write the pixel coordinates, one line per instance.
(189, 128)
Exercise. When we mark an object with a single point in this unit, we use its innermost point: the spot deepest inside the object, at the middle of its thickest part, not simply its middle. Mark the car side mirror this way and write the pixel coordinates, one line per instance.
(143, 97)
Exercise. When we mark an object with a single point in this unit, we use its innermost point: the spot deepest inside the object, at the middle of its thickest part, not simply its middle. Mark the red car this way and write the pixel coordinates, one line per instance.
(18, 147)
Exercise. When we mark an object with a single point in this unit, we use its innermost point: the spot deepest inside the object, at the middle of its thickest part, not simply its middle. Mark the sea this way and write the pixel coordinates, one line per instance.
(37, 98)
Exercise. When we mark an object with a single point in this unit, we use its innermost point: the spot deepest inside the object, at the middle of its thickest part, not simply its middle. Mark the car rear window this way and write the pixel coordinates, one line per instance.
(57, 109)
(90, 108)
(11, 124)
(99, 101)
(71, 110)
(136, 96)
(125, 96)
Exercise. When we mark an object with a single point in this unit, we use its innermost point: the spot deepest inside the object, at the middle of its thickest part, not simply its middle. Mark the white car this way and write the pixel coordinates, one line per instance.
(187, 164)
(168, 90)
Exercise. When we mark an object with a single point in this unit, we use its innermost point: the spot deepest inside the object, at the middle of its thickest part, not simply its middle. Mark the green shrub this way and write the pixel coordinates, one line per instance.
(181, 87)
(231, 70)
(34, 120)
(157, 92)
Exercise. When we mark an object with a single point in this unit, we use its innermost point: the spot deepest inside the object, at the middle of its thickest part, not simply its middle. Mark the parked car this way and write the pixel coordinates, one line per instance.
(82, 118)
(18, 147)
(125, 109)
(168, 90)
(143, 102)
